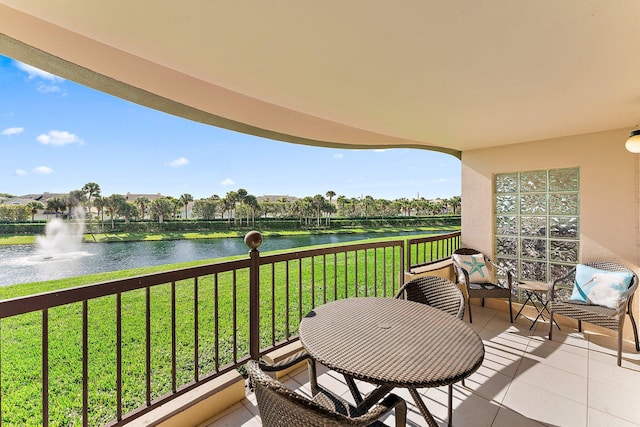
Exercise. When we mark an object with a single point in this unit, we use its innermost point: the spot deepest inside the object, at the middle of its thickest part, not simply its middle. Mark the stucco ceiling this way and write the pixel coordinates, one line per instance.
(447, 75)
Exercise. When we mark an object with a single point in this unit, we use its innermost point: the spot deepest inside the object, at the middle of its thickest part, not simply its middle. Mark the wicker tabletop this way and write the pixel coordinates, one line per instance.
(392, 342)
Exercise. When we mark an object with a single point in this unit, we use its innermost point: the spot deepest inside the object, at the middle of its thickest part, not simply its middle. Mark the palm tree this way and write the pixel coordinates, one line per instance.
(384, 206)
(217, 201)
(56, 205)
(34, 208)
(185, 199)
(230, 203)
(75, 198)
(176, 205)
(98, 202)
(456, 203)
(318, 204)
(128, 210)
(92, 191)
(341, 200)
(368, 202)
(437, 207)
(241, 194)
(142, 203)
(206, 208)
(354, 205)
(252, 203)
(113, 203)
(161, 208)
(330, 194)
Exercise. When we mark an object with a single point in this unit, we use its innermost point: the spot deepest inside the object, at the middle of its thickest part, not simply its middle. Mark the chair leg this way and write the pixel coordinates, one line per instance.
(579, 325)
(510, 310)
(450, 407)
(483, 302)
(635, 328)
(620, 346)
(313, 376)
(469, 306)
(550, 325)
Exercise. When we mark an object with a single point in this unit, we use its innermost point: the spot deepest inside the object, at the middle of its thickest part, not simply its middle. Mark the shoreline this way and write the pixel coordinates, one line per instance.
(141, 237)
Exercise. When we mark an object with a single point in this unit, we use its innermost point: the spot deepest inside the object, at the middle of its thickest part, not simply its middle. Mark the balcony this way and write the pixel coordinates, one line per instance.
(525, 380)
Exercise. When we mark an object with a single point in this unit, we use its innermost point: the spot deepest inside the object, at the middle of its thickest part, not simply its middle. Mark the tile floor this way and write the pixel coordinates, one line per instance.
(525, 380)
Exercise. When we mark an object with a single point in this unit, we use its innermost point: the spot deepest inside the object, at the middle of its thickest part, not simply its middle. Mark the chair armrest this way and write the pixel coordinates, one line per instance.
(554, 282)
(401, 291)
(626, 296)
(386, 405)
(503, 270)
(466, 275)
(285, 363)
(292, 361)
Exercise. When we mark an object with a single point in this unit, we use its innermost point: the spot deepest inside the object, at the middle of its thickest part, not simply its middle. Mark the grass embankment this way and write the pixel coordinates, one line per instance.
(21, 336)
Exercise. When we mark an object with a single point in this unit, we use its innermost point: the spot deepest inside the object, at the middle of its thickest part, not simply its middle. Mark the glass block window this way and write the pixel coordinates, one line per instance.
(537, 222)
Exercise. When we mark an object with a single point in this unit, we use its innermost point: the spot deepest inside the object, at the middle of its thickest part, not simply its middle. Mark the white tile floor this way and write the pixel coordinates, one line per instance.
(525, 380)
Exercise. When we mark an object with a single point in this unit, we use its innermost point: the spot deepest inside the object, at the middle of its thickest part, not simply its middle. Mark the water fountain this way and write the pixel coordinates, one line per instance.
(62, 239)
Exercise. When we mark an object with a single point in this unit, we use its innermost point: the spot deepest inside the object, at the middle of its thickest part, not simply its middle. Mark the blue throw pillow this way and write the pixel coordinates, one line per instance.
(599, 287)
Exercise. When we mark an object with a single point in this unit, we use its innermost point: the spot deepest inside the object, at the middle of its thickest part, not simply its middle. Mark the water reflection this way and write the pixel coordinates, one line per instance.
(23, 264)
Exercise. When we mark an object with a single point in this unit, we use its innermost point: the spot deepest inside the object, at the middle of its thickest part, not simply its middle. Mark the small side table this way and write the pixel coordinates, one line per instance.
(533, 290)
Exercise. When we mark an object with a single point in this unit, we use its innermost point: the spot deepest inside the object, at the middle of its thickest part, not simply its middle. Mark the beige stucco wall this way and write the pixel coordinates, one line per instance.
(608, 191)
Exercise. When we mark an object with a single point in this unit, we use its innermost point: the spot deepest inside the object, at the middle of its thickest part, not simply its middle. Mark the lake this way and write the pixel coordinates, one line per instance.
(24, 264)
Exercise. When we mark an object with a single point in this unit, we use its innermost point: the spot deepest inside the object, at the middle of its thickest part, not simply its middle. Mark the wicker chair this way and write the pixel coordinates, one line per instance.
(436, 292)
(609, 318)
(282, 407)
(483, 290)
(439, 293)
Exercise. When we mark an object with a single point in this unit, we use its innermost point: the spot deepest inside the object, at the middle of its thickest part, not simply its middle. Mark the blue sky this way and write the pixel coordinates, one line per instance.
(56, 136)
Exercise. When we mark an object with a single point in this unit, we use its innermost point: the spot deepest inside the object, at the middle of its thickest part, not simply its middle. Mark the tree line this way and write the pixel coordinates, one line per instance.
(236, 206)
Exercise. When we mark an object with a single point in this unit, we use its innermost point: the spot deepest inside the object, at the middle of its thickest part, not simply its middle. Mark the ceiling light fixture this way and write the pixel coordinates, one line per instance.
(633, 143)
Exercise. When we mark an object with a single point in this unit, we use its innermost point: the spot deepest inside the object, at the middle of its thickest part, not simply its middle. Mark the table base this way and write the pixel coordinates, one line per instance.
(381, 391)
(531, 294)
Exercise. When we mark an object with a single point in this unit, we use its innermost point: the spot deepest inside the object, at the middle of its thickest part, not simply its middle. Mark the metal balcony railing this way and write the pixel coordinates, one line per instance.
(104, 354)
(423, 251)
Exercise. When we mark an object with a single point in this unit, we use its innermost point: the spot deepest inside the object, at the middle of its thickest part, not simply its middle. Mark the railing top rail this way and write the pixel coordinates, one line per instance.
(433, 238)
(45, 300)
(307, 253)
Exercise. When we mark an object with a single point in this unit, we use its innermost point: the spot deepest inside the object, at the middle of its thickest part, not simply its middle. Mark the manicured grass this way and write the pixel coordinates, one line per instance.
(21, 336)
(7, 239)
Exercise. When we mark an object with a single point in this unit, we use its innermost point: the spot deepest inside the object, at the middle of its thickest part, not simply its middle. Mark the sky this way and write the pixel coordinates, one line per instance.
(56, 136)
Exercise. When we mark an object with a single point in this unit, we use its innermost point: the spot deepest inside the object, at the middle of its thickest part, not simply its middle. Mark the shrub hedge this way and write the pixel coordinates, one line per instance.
(119, 226)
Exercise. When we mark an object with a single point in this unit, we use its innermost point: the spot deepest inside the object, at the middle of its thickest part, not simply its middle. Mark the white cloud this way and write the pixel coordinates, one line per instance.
(182, 161)
(59, 138)
(380, 150)
(36, 73)
(227, 182)
(12, 131)
(44, 88)
(21, 172)
(43, 170)
(338, 156)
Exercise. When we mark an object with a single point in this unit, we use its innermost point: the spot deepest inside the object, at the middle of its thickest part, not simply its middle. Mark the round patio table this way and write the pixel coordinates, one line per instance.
(391, 343)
